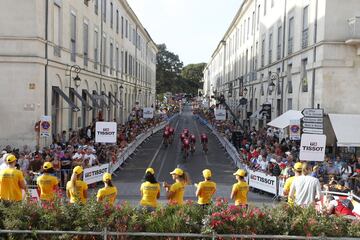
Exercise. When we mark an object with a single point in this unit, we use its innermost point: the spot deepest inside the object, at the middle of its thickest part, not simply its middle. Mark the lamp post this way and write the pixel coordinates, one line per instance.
(121, 88)
(77, 82)
(139, 97)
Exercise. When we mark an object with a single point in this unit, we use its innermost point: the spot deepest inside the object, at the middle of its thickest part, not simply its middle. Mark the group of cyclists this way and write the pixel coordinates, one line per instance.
(187, 139)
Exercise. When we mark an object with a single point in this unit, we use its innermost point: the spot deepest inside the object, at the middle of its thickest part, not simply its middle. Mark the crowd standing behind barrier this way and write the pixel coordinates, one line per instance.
(78, 148)
(270, 162)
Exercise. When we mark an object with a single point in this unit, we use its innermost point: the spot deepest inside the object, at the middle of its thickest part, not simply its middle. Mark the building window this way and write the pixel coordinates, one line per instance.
(104, 54)
(117, 59)
(126, 28)
(111, 58)
(96, 6)
(86, 43)
(272, 3)
(104, 11)
(289, 79)
(130, 65)
(73, 36)
(258, 16)
(265, 5)
(248, 28)
(122, 62)
(126, 62)
(122, 27)
(111, 15)
(256, 56)
(96, 49)
(117, 21)
(263, 52)
(279, 41)
(291, 36)
(270, 47)
(304, 79)
(289, 104)
(305, 28)
(253, 24)
(57, 30)
(244, 31)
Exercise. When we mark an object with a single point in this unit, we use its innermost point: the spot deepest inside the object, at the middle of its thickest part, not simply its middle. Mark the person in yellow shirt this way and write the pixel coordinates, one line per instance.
(150, 191)
(175, 192)
(108, 193)
(297, 170)
(205, 189)
(76, 189)
(11, 181)
(240, 189)
(47, 183)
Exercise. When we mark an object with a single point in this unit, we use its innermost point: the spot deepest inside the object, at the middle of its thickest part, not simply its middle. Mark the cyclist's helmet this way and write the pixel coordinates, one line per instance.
(166, 133)
(192, 136)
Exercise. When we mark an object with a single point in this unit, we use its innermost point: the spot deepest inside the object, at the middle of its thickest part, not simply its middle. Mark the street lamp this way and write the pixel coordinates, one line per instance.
(121, 88)
(245, 91)
(77, 79)
(273, 77)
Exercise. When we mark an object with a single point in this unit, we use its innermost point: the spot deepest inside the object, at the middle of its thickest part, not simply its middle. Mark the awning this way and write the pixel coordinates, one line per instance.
(257, 115)
(93, 100)
(117, 100)
(83, 101)
(109, 98)
(346, 128)
(66, 98)
(102, 100)
(283, 120)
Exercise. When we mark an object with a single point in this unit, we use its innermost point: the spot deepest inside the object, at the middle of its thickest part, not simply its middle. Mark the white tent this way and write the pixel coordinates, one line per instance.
(346, 128)
(284, 119)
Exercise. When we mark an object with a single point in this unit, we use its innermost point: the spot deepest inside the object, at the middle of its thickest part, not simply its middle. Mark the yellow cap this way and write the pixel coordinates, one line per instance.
(240, 172)
(150, 170)
(106, 177)
(298, 166)
(177, 171)
(78, 170)
(10, 158)
(47, 165)
(206, 173)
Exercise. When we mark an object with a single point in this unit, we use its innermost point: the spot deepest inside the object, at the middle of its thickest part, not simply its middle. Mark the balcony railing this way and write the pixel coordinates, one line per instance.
(305, 38)
(354, 27)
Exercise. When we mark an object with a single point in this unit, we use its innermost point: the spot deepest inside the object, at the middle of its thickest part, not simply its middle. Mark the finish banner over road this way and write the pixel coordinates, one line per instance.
(220, 114)
(95, 174)
(105, 132)
(262, 181)
(312, 147)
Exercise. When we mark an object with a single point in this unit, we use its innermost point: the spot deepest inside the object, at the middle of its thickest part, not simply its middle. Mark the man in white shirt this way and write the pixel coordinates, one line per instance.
(307, 188)
(89, 158)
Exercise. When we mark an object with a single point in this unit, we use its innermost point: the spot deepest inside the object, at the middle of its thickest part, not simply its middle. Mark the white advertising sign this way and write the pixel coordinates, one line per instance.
(312, 147)
(220, 114)
(148, 113)
(262, 181)
(106, 132)
(294, 130)
(94, 174)
(45, 126)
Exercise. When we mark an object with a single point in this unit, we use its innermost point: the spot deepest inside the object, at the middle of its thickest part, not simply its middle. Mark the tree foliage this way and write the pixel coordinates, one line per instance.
(171, 76)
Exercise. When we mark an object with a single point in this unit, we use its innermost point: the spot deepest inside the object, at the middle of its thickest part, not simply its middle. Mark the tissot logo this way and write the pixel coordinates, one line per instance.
(262, 179)
(106, 132)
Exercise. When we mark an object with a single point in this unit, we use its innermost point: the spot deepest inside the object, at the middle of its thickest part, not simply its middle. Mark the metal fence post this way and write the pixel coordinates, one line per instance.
(105, 233)
(213, 236)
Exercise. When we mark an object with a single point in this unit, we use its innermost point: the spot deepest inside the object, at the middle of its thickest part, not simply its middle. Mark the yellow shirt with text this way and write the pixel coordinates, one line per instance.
(149, 192)
(241, 190)
(47, 185)
(206, 191)
(178, 189)
(9, 184)
(77, 193)
(107, 194)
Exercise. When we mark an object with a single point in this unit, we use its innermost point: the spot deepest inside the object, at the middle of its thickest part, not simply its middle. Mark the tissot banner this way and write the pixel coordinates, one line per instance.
(220, 114)
(148, 113)
(94, 174)
(106, 132)
(262, 181)
(312, 147)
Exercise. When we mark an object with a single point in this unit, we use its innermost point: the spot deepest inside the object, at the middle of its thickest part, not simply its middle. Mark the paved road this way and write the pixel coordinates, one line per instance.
(153, 154)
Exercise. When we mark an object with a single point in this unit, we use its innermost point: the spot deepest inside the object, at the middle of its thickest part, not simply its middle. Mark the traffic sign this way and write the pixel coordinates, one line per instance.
(313, 125)
(313, 130)
(312, 120)
(313, 112)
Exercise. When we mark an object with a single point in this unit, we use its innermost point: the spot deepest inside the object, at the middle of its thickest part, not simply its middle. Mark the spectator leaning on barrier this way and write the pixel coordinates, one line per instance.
(288, 183)
(307, 188)
(47, 183)
(175, 192)
(240, 189)
(108, 193)
(76, 189)
(12, 181)
(342, 207)
(205, 189)
(150, 190)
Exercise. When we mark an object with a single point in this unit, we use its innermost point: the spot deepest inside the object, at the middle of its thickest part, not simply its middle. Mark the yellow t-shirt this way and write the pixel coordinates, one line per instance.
(287, 187)
(47, 185)
(241, 189)
(9, 184)
(206, 191)
(77, 193)
(178, 189)
(149, 192)
(108, 194)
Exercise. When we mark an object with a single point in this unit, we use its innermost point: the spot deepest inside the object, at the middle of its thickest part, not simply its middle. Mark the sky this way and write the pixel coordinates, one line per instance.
(191, 29)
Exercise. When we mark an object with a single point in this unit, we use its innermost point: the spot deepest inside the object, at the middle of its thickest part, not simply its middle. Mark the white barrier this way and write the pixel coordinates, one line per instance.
(94, 174)
(262, 181)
